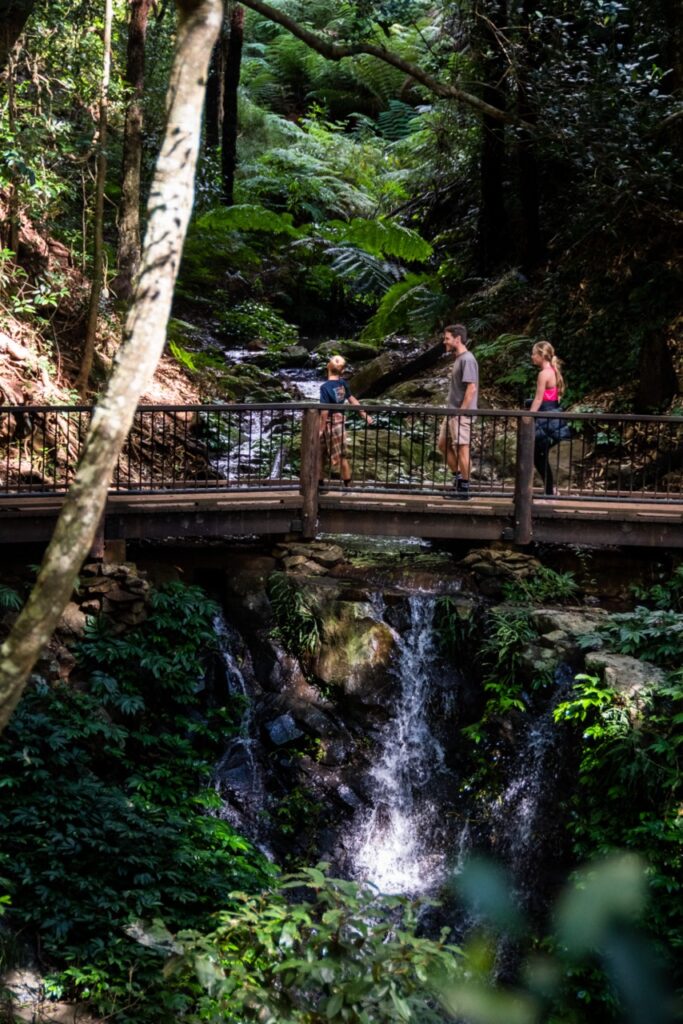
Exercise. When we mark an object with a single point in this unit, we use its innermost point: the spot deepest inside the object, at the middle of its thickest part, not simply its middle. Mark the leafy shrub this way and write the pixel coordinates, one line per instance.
(297, 625)
(106, 809)
(341, 953)
(544, 585)
(249, 321)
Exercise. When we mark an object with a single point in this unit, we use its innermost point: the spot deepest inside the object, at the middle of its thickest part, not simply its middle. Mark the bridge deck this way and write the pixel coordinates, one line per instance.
(225, 514)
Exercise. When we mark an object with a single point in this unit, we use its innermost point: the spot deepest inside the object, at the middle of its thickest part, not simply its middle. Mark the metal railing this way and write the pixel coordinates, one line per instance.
(255, 447)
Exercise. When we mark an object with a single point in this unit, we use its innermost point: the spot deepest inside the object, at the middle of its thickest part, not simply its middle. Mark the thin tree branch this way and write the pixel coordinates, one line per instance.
(337, 51)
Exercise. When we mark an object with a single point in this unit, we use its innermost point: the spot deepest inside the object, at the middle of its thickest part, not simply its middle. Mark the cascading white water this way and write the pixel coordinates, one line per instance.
(392, 844)
(238, 773)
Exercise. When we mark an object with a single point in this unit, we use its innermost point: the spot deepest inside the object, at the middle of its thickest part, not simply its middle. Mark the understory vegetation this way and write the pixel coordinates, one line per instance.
(107, 811)
(108, 814)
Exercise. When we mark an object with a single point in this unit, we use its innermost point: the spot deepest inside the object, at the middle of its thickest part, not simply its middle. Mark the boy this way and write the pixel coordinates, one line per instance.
(336, 391)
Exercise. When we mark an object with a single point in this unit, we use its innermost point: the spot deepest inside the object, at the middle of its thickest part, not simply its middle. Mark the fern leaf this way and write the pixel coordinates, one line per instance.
(248, 217)
(403, 299)
(383, 238)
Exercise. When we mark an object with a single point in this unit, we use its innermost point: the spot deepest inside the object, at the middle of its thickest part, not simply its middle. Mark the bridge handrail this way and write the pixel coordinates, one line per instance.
(372, 407)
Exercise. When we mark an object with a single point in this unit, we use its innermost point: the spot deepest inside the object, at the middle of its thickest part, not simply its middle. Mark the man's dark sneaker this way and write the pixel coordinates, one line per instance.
(462, 490)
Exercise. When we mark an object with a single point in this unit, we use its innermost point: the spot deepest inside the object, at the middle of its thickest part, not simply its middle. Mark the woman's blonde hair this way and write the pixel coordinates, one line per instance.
(547, 353)
(336, 364)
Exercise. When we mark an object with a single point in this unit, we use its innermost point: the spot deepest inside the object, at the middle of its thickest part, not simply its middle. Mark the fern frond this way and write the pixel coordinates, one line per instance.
(397, 121)
(366, 272)
(248, 217)
(416, 301)
(384, 238)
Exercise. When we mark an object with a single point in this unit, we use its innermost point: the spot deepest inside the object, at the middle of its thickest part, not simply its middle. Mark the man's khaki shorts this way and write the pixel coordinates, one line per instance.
(458, 429)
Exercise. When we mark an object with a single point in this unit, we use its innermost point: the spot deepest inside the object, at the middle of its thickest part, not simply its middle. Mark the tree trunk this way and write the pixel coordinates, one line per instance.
(212, 107)
(12, 22)
(231, 81)
(128, 257)
(13, 204)
(98, 226)
(169, 210)
(493, 233)
(532, 250)
(657, 380)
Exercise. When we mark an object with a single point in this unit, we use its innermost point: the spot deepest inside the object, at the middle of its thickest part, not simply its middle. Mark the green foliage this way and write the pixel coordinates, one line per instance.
(339, 953)
(653, 635)
(506, 360)
(182, 356)
(544, 585)
(416, 303)
(381, 238)
(507, 635)
(10, 599)
(247, 217)
(251, 320)
(297, 626)
(106, 808)
(630, 788)
(454, 625)
(667, 595)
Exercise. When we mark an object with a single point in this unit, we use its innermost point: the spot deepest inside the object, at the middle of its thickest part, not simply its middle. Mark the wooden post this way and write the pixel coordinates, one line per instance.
(310, 471)
(524, 479)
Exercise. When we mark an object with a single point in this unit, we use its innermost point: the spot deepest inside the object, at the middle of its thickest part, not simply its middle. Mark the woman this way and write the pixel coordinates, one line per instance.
(336, 391)
(549, 391)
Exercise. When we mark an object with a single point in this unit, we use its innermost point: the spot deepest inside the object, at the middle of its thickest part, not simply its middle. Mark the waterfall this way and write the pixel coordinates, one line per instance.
(395, 843)
(238, 776)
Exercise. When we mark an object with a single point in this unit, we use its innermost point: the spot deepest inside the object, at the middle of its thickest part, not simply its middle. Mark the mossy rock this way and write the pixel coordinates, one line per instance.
(182, 333)
(355, 650)
(350, 348)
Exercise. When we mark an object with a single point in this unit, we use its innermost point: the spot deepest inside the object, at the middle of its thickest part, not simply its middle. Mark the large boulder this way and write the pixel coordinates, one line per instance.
(355, 650)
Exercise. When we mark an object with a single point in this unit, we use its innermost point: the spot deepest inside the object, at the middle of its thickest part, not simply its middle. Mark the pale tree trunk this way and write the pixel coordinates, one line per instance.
(98, 226)
(128, 256)
(169, 208)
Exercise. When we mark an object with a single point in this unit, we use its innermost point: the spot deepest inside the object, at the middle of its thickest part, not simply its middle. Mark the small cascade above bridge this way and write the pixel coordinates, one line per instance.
(220, 471)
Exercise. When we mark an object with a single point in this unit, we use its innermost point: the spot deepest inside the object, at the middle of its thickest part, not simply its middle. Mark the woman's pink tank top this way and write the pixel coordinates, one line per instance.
(551, 394)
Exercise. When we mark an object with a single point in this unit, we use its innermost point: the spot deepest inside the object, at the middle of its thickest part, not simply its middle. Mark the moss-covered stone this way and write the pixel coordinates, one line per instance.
(355, 650)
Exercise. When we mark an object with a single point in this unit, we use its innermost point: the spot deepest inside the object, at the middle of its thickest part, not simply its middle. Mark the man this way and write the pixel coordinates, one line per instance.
(463, 392)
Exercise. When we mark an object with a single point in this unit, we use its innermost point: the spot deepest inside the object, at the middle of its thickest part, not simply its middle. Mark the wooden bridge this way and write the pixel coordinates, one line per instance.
(237, 470)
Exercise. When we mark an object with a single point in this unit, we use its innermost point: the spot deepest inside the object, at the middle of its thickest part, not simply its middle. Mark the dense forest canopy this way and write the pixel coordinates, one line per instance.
(479, 126)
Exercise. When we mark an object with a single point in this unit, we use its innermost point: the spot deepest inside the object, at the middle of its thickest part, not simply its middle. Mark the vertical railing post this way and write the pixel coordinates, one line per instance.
(310, 471)
(524, 479)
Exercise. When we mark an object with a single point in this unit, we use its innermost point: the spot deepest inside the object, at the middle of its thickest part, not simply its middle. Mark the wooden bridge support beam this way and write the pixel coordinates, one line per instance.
(524, 480)
(310, 471)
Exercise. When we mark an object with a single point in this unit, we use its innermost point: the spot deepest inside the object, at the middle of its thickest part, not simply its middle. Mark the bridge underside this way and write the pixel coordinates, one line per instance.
(225, 515)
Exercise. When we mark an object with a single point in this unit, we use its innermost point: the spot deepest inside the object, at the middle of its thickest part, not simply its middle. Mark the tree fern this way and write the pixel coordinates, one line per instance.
(248, 217)
(364, 271)
(397, 121)
(416, 302)
(384, 238)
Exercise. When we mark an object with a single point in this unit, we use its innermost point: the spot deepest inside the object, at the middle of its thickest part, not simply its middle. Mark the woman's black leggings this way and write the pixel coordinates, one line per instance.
(542, 464)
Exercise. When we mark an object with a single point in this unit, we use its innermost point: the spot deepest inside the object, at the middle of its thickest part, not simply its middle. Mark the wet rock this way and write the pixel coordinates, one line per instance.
(355, 651)
(574, 622)
(336, 752)
(622, 673)
(283, 730)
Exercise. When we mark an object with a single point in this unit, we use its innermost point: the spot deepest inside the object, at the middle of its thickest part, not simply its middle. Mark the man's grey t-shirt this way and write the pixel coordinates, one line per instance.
(465, 371)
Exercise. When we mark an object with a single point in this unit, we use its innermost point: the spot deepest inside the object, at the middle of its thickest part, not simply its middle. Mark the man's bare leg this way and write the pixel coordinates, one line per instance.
(463, 461)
